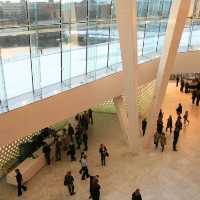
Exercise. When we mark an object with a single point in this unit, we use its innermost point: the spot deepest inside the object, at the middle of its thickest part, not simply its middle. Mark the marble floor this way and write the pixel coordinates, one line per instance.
(167, 176)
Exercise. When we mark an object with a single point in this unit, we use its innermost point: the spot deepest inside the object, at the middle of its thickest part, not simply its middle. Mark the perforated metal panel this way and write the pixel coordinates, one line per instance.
(9, 154)
(145, 97)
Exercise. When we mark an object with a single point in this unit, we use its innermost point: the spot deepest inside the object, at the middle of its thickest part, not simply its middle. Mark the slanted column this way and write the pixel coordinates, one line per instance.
(127, 26)
(122, 115)
(3, 93)
(176, 23)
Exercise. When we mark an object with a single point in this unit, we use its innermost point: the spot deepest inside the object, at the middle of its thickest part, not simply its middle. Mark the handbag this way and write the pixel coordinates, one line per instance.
(107, 154)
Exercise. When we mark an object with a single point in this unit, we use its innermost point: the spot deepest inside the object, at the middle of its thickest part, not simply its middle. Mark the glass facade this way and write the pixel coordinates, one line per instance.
(49, 46)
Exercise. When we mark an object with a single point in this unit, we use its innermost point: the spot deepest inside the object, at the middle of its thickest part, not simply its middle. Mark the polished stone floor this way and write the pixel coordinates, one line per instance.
(167, 176)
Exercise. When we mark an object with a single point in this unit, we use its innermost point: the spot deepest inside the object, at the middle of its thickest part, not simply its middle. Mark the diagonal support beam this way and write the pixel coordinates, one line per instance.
(127, 26)
(3, 93)
(122, 115)
(176, 23)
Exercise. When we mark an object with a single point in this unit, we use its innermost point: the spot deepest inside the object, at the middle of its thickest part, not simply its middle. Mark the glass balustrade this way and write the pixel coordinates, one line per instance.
(50, 46)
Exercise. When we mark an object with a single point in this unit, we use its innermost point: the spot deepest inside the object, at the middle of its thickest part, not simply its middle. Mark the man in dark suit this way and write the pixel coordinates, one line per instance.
(69, 182)
(19, 180)
(144, 126)
(85, 139)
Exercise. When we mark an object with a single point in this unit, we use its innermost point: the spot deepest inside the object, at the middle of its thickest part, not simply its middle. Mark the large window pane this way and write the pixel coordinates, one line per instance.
(114, 46)
(99, 10)
(78, 49)
(66, 53)
(18, 77)
(44, 11)
(151, 39)
(195, 39)
(13, 13)
(98, 35)
(74, 11)
(161, 37)
(15, 54)
(50, 55)
(184, 43)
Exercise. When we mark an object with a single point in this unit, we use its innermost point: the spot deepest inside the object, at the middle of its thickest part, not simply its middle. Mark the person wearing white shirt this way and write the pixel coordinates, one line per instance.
(84, 167)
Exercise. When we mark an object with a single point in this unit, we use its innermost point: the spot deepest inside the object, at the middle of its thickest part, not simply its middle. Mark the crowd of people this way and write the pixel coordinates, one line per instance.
(195, 89)
(160, 135)
(73, 139)
(77, 139)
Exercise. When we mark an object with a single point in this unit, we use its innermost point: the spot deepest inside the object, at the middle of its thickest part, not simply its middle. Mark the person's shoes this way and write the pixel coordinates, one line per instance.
(174, 149)
(25, 189)
(19, 195)
(90, 197)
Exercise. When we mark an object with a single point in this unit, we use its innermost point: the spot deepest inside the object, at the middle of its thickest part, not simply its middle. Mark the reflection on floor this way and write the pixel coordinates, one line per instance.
(167, 176)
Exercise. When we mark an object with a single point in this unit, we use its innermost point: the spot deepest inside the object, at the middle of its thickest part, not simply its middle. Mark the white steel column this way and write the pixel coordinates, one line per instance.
(122, 115)
(177, 18)
(192, 6)
(127, 26)
(3, 93)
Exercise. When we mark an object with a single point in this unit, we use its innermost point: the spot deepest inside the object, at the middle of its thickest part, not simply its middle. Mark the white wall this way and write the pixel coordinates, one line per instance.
(30, 118)
(185, 63)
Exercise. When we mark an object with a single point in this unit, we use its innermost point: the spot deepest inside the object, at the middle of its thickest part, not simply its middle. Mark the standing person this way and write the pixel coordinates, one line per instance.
(179, 109)
(77, 117)
(182, 85)
(84, 167)
(69, 182)
(160, 115)
(83, 122)
(58, 149)
(163, 141)
(177, 80)
(47, 152)
(70, 131)
(198, 97)
(85, 139)
(187, 87)
(136, 195)
(169, 124)
(72, 151)
(178, 127)
(19, 180)
(179, 123)
(185, 117)
(176, 136)
(144, 126)
(194, 96)
(78, 136)
(90, 116)
(103, 152)
(82, 156)
(86, 120)
(156, 139)
(95, 190)
(159, 126)
(92, 181)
